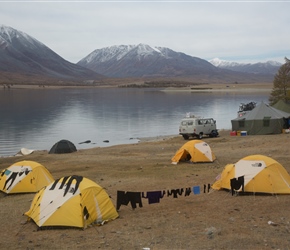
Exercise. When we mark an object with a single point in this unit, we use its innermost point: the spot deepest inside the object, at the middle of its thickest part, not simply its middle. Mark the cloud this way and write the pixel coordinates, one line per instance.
(228, 30)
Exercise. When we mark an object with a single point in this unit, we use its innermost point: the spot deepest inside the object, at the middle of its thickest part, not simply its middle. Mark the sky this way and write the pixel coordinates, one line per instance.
(237, 31)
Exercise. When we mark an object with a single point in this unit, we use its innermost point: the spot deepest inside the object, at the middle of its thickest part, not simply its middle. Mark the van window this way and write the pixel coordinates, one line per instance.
(187, 123)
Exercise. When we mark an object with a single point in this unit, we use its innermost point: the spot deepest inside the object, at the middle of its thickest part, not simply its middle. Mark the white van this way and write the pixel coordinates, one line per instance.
(193, 126)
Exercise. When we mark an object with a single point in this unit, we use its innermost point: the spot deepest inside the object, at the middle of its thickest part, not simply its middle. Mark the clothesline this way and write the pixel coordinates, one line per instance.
(134, 198)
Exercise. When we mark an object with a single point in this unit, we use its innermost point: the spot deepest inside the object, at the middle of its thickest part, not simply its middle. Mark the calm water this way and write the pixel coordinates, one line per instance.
(38, 118)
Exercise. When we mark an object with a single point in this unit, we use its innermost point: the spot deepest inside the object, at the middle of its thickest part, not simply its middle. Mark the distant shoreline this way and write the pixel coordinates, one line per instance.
(242, 87)
(225, 88)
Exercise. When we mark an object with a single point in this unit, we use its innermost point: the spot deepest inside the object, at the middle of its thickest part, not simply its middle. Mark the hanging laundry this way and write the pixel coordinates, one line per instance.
(236, 184)
(196, 190)
(153, 196)
(174, 192)
(123, 198)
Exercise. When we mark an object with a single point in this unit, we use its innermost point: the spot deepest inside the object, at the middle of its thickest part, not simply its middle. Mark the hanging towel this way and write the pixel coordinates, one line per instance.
(123, 198)
(196, 190)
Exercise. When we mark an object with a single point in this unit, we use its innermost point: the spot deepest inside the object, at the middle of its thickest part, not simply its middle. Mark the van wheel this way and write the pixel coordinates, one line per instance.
(200, 136)
(213, 133)
(185, 137)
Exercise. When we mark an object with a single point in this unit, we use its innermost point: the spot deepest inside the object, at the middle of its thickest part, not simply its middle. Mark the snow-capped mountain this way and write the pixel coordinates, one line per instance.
(116, 53)
(23, 55)
(9, 35)
(269, 67)
(143, 60)
(222, 63)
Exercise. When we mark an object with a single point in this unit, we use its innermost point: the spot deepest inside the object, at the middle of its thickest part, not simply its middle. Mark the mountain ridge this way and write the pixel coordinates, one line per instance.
(144, 61)
(24, 58)
(268, 67)
(24, 55)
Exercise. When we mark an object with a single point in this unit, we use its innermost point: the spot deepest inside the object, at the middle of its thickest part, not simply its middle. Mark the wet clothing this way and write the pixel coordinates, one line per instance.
(153, 196)
(123, 198)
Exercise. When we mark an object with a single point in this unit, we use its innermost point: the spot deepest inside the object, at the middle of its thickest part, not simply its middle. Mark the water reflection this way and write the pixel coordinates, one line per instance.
(37, 118)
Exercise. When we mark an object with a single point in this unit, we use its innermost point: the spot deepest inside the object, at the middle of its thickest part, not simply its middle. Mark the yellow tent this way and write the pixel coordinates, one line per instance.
(24, 177)
(194, 151)
(72, 201)
(256, 174)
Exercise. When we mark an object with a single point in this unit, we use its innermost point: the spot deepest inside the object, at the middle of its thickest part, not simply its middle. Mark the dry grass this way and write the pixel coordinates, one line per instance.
(214, 220)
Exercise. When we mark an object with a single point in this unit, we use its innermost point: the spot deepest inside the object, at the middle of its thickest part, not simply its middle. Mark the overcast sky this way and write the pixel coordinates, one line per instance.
(240, 31)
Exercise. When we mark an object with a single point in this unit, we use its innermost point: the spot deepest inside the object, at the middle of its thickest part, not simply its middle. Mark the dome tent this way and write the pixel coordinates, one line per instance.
(254, 174)
(63, 147)
(194, 151)
(72, 201)
(24, 177)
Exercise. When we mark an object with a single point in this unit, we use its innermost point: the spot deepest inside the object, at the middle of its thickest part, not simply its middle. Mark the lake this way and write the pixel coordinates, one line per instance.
(38, 118)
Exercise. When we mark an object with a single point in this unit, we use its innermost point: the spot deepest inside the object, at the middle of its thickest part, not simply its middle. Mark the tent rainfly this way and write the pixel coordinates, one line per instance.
(281, 105)
(194, 151)
(24, 151)
(262, 120)
(24, 177)
(254, 174)
(72, 201)
(63, 147)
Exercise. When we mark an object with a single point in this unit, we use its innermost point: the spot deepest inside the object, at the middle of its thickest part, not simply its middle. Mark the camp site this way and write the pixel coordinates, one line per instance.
(182, 205)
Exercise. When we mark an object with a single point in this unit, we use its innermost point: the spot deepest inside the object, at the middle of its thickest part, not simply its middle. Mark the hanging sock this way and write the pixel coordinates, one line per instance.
(174, 192)
(187, 191)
